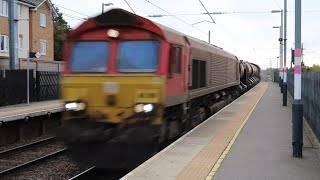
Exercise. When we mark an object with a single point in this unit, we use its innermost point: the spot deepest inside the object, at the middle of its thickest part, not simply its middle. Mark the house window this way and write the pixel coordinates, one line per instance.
(19, 10)
(4, 43)
(43, 21)
(20, 41)
(43, 47)
(3, 8)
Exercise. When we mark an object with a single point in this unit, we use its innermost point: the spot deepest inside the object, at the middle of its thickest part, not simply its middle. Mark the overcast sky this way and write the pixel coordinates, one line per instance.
(246, 32)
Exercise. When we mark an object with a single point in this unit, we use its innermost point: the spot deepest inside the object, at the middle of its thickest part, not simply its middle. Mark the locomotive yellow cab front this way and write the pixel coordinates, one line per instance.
(114, 99)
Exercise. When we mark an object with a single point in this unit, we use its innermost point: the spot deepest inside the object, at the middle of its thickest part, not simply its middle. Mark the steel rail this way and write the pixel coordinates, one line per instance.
(30, 145)
(32, 162)
(82, 173)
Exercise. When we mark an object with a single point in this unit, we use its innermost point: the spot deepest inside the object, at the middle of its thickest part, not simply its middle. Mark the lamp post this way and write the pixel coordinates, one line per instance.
(285, 56)
(13, 33)
(280, 55)
(105, 4)
(281, 74)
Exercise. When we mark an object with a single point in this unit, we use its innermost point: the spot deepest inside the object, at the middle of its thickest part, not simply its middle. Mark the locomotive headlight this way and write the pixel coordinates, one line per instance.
(113, 33)
(75, 106)
(146, 108)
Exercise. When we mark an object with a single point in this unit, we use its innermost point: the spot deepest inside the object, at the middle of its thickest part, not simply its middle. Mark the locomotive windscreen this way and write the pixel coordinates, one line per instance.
(133, 56)
(138, 56)
(89, 56)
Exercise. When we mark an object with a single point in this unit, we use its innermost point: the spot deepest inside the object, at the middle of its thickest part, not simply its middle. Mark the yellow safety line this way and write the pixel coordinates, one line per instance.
(226, 151)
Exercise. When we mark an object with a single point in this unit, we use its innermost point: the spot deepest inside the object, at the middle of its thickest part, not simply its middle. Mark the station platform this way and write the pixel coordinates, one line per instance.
(20, 111)
(248, 139)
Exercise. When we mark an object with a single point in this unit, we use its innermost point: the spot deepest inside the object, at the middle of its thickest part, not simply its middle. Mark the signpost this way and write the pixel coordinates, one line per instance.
(38, 55)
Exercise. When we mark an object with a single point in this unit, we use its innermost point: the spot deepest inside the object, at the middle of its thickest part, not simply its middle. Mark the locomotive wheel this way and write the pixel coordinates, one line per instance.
(198, 117)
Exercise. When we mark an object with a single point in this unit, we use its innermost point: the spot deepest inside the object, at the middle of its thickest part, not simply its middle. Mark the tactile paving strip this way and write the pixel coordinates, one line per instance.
(202, 164)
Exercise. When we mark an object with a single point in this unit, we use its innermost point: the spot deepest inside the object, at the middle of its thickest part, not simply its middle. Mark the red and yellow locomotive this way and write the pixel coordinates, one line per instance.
(131, 84)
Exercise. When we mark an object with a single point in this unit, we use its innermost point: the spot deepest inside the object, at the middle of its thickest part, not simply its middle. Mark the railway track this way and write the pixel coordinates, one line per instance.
(25, 146)
(83, 174)
(24, 156)
(97, 174)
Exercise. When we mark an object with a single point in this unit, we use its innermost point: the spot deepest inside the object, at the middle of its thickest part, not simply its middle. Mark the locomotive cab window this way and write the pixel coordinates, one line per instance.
(139, 56)
(175, 60)
(89, 56)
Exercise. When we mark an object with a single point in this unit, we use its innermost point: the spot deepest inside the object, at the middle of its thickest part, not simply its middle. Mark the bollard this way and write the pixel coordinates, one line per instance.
(285, 89)
(281, 85)
(297, 130)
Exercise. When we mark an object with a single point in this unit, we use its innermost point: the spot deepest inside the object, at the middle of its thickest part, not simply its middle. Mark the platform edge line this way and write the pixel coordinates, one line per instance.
(224, 154)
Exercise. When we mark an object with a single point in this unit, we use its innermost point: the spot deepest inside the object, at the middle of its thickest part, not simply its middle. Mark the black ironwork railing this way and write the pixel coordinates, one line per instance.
(13, 86)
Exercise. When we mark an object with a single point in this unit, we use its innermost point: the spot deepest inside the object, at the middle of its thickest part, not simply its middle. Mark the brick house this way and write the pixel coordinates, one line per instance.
(35, 29)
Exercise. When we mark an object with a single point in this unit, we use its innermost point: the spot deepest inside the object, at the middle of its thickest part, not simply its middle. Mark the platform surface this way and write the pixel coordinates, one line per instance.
(263, 149)
(248, 139)
(20, 111)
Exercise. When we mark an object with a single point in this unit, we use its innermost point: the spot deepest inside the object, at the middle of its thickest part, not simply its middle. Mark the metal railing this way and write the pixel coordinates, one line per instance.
(43, 85)
(310, 98)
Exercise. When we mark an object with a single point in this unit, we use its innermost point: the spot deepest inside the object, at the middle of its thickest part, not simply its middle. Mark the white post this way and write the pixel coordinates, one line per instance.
(281, 54)
(285, 56)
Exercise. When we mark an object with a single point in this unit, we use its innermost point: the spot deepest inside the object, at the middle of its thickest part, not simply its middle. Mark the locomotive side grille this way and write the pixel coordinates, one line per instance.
(231, 71)
(218, 70)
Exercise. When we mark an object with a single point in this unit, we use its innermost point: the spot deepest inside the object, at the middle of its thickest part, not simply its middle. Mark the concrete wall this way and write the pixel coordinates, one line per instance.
(38, 65)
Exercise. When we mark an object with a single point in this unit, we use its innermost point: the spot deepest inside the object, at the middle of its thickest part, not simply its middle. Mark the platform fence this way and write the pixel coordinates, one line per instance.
(310, 98)
(43, 86)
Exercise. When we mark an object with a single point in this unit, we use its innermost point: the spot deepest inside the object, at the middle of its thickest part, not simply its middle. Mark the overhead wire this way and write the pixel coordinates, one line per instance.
(144, 12)
(227, 12)
(130, 6)
(74, 17)
(72, 10)
(207, 11)
(277, 3)
(181, 19)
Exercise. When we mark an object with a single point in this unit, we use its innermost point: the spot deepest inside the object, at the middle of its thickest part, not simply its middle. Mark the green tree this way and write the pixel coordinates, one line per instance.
(315, 68)
(61, 30)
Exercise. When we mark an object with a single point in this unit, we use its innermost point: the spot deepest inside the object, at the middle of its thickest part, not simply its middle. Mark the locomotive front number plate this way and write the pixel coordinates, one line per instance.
(111, 87)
